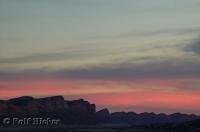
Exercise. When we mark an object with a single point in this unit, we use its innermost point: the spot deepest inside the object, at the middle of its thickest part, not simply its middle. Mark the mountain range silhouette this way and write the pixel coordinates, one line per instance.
(82, 112)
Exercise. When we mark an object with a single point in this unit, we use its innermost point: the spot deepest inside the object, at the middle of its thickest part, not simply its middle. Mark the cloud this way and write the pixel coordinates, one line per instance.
(194, 47)
(172, 31)
(51, 56)
(177, 31)
(172, 68)
(152, 61)
(14, 39)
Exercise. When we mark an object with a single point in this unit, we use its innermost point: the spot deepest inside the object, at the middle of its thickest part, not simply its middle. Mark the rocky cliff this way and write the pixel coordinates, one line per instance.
(77, 111)
(80, 112)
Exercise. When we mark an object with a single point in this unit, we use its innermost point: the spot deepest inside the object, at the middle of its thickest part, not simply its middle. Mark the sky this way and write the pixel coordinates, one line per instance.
(130, 55)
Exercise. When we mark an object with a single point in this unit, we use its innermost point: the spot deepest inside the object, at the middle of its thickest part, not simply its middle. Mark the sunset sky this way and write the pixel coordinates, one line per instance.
(126, 55)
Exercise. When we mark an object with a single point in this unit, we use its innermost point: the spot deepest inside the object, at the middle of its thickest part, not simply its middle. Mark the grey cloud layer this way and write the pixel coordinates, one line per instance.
(178, 31)
(129, 66)
(169, 69)
(194, 47)
(41, 57)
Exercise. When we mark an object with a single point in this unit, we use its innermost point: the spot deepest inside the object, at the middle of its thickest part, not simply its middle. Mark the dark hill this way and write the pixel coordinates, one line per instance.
(81, 112)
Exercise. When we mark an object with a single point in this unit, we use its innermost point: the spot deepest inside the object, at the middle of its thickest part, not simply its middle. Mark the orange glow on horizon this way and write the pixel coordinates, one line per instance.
(158, 94)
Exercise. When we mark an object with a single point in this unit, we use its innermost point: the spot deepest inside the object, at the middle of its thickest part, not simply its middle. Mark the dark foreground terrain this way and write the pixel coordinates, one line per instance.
(81, 116)
(192, 126)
